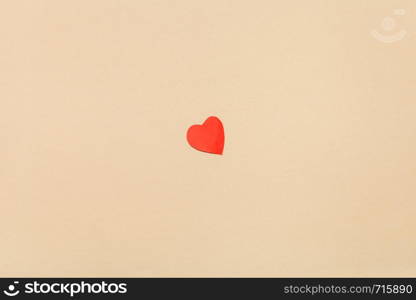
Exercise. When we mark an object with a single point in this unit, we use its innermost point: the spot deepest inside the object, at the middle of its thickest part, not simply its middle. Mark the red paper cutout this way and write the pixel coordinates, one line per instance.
(208, 137)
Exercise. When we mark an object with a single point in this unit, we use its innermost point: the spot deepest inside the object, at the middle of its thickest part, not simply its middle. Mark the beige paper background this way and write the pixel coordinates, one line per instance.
(96, 177)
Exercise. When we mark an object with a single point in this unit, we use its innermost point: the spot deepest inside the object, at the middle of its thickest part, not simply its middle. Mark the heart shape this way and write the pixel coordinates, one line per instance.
(208, 137)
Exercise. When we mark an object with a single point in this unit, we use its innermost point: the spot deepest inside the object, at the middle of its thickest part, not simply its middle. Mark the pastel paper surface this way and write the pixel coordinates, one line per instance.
(208, 137)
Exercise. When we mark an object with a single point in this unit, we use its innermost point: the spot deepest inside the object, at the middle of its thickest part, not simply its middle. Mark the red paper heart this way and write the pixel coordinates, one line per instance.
(208, 137)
